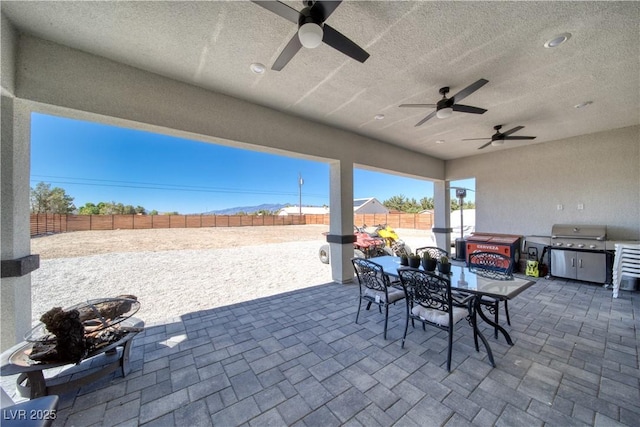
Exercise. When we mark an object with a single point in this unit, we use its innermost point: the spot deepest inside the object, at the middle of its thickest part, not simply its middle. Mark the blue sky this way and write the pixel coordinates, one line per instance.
(99, 163)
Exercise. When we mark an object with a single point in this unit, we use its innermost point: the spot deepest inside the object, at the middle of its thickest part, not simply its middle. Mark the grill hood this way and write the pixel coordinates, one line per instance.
(575, 231)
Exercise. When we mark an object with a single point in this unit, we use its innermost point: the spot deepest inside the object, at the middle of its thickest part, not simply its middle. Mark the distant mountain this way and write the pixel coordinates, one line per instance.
(248, 209)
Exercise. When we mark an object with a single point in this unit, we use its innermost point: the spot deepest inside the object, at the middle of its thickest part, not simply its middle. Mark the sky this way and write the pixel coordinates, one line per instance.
(96, 163)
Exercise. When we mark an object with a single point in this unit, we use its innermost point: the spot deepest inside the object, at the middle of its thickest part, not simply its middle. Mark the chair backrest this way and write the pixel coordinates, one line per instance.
(430, 290)
(435, 252)
(492, 265)
(370, 275)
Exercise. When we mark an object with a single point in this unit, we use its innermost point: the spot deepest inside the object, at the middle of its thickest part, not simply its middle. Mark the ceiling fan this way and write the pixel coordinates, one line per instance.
(312, 30)
(446, 106)
(498, 138)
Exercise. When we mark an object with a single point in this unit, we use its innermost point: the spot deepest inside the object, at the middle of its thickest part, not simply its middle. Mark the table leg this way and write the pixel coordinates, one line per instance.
(497, 327)
(473, 304)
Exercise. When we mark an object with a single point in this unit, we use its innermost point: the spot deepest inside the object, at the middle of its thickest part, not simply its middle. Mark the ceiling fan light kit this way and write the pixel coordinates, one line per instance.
(312, 30)
(444, 113)
(310, 35)
(446, 106)
(498, 138)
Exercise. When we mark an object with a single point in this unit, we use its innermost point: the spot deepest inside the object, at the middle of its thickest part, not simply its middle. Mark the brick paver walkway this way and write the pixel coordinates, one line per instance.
(300, 359)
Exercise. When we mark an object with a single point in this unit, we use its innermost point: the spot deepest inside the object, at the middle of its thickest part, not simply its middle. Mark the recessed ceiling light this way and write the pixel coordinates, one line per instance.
(257, 68)
(379, 116)
(557, 40)
(584, 104)
(440, 141)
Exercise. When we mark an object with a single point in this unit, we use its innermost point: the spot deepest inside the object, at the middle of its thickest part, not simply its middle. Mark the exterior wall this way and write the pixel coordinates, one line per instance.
(518, 190)
(8, 52)
(71, 82)
(373, 206)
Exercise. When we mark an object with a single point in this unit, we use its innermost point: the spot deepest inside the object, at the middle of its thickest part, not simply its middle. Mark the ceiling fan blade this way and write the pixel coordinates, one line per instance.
(327, 7)
(510, 131)
(475, 139)
(418, 105)
(426, 118)
(341, 43)
(469, 90)
(468, 109)
(485, 145)
(519, 137)
(281, 9)
(287, 53)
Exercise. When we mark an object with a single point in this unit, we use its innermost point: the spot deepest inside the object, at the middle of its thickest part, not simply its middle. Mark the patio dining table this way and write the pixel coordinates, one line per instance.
(464, 280)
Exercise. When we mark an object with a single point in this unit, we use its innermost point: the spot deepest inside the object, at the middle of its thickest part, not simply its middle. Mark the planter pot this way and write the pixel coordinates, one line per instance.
(444, 268)
(429, 264)
(414, 262)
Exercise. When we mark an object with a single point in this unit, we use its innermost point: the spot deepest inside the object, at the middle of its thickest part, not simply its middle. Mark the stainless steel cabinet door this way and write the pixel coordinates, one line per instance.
(563, 263)
(592, 267)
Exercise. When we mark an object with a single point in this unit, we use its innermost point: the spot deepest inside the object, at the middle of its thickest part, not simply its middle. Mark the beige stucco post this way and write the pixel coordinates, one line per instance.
(441, 213)
(341, 236)
(15, 285)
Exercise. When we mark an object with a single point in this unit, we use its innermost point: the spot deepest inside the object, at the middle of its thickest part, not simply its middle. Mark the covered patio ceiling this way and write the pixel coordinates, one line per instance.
(415, 47)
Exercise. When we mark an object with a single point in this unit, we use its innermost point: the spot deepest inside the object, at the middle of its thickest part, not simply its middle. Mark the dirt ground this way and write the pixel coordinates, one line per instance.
(83, 243)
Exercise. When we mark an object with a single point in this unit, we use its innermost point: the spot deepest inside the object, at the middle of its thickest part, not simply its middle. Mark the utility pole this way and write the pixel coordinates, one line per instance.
(300, 182)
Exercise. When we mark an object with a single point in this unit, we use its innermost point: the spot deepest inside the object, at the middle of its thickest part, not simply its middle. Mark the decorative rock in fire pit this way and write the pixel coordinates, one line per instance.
(70, 335)
(99, 330)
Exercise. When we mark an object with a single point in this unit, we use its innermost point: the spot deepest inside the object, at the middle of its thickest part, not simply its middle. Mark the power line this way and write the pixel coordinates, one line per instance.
(164, 187)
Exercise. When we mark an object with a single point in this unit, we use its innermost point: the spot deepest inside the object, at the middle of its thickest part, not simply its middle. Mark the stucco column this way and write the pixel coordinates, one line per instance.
(442, 212)
(15, 245)
(341, 236)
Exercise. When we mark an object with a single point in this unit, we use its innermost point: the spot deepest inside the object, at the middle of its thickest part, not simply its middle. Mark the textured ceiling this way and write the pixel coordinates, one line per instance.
(415, 48)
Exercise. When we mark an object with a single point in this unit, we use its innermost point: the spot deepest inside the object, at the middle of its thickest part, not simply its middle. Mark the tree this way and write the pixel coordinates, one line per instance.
(89, 209)
(427, 203)
(404, 204)
(45, 199)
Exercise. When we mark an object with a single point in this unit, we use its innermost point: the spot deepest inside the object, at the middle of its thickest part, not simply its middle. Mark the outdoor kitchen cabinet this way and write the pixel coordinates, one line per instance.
(579, 265)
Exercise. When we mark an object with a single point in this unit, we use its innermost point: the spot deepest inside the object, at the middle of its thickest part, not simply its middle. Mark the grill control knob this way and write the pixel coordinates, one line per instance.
(569, 245)
(592, 246)
(558, 244)
(581, 245)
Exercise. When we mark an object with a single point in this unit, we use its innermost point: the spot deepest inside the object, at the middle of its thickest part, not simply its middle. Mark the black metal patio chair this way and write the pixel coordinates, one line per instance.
(494, 266)
(430, 301)
(375, 288)
(435, 252)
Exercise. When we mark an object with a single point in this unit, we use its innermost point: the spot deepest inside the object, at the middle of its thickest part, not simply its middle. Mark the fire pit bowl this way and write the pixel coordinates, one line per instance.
(99, 330)
(70, 334)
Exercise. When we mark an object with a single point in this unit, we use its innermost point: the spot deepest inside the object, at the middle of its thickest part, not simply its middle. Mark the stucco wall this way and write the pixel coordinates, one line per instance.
(8, 53)
(518, 190)
(61, 76)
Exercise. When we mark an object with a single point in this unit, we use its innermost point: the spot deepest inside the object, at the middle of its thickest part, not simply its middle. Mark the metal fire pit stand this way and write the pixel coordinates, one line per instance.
(31, 382)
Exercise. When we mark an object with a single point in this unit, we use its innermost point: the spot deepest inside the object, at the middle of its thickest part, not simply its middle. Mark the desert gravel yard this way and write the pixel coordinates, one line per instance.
(181, 270)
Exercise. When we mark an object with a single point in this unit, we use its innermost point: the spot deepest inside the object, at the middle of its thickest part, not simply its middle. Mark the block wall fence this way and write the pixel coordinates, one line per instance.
(57, 223)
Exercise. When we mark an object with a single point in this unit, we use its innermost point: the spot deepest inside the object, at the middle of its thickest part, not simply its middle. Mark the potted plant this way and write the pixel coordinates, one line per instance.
(444, 266)
(404, 260)
(414, 260)
(428, 263)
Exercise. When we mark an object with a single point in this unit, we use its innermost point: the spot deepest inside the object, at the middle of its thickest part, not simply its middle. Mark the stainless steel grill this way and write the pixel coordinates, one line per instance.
(579, 252)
